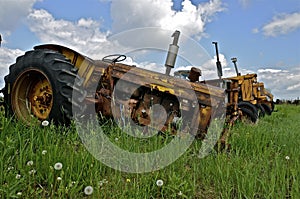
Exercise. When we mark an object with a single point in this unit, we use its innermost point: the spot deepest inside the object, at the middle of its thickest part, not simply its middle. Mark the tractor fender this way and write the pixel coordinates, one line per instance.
(84, 64)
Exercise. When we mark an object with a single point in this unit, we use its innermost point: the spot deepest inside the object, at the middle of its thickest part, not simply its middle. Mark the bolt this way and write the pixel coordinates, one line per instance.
(144, 113)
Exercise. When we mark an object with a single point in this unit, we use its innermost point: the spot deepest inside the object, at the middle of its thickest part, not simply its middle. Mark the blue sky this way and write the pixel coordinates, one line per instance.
(264, 35)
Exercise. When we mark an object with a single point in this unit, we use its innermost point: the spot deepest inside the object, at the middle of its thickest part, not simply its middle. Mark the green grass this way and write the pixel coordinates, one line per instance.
(256, 167)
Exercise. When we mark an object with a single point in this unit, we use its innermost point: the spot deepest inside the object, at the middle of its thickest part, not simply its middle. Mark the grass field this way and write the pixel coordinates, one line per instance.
(51, 162)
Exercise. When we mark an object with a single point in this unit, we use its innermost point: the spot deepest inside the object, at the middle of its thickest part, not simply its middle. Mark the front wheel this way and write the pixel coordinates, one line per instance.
(267, 108)
(248, 115)
(261, 110)
(40, 86)
(249, 110)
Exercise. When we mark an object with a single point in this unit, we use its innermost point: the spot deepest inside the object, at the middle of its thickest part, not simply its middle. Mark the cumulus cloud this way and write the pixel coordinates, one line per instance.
(7, 57)
(284, 83)
(83, 35)
(191, 20)
(12, 11)
(282, 24)
(209, 68)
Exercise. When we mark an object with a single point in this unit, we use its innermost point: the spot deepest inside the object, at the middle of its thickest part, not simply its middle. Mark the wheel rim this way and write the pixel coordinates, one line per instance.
(32, 96)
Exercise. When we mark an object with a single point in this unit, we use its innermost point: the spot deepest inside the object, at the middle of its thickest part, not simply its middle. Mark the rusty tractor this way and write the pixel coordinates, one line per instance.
(246, 98)
(55, 83)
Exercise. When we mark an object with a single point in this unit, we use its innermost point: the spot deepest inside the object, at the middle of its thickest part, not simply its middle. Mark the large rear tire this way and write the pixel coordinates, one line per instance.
(40, 86)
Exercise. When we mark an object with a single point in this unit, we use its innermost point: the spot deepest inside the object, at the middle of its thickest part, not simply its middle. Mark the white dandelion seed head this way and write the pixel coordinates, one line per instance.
(71, 184)
(180, 193)
(104, 181)
(58, 178)
(31, 172)
(19, 193)
(287, 157)
(44, 152)
(58, 166)
(18, 176)
(45, 123)
(159, 183)
(10, 168)
(30, 163)
(88, 190)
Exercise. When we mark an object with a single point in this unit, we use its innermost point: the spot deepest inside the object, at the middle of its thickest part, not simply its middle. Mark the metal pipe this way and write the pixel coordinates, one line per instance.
(218, 63)
(172, 53)
(234, 60)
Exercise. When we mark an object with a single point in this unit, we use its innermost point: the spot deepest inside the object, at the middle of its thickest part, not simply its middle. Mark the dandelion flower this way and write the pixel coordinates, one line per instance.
(45, 123)
(10, 168)
(159, 183)
(128, 180)
(44, 152)
(58, 166)
(31, 172)
(88, 190)
(71, 184)
(30, 163)
(102, 182)
(287, 157)
(18, 176)
(58, 178)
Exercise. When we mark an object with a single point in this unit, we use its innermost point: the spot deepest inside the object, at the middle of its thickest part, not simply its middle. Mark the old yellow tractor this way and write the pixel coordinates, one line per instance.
(246, 96)
(56, 83)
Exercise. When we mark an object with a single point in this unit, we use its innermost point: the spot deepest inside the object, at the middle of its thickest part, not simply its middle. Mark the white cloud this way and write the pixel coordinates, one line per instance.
(7, 57)
(12, 12)
(295, 87)
(191, 20)
(84, 35)
(209, 68)
(269, 70)
(282, 24)
(284, 83)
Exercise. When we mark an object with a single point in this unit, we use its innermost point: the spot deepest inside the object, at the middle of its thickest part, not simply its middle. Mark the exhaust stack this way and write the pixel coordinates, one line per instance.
(234, 60)
(219, 66)
(172, 53)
